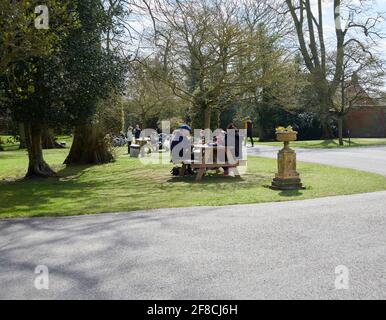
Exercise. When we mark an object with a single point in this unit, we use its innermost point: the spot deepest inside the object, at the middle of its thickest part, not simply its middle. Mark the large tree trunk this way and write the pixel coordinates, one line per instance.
(22, 143)
(90, 146)
(340, 131)
(37, 167)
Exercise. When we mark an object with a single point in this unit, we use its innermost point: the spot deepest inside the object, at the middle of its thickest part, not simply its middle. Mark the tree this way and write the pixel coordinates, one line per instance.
(19, 39)
(360, 29)
(92, 73)
(362, 77)
(209, 54)
(280, 83)
(27, 76)
(148, 97)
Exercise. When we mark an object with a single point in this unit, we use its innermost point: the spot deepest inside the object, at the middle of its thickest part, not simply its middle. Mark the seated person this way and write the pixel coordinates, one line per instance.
(234, 141)
(232, 138)
(180, 146)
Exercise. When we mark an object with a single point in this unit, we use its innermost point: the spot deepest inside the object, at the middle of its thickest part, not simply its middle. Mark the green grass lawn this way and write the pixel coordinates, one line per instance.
(127, 185)
(8, 145)
(319, 144)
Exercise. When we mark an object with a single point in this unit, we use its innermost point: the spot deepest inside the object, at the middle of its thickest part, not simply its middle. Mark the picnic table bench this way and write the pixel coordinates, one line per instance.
(209, 160)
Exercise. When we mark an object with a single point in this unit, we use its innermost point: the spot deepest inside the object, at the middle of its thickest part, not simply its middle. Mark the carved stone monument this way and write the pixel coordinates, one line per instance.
(287, 177)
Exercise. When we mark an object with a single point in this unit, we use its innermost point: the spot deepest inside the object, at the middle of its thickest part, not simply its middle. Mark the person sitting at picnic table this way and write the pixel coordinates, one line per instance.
(235, 143)
(220, 141)
(181, 138)
(237, 149)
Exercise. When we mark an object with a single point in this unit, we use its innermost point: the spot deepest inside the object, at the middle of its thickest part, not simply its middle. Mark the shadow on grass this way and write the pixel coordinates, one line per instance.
(330, 144)
(290, 193)
(125, 186)
(211, 178)
(286, 193)
(18, 195)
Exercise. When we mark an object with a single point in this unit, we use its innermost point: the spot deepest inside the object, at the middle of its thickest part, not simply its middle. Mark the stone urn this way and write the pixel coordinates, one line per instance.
(287, 177)
(286, 136)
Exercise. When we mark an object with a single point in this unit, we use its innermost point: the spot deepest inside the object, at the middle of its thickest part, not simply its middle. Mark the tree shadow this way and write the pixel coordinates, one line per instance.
(290, 193)
(209, 178)
(19, 194)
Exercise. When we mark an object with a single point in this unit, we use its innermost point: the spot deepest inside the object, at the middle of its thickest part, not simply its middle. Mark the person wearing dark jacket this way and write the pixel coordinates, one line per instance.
(249, 127)
(137, 132)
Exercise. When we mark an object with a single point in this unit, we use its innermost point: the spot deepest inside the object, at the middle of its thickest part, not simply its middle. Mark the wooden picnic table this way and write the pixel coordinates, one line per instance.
(142, 142)
(210, 158)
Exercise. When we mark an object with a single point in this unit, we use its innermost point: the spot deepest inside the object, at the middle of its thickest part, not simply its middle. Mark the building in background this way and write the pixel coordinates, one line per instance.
(366, 118)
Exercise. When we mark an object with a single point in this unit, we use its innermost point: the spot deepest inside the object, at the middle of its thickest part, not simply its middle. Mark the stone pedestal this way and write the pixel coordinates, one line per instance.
(287, 178)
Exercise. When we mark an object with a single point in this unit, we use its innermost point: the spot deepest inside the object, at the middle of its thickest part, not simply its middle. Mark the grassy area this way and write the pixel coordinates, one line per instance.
(128, 185)
(319, 144)
(8, 143)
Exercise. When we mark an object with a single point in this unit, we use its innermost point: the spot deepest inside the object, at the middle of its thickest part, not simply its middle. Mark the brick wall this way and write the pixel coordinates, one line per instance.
(366, 122)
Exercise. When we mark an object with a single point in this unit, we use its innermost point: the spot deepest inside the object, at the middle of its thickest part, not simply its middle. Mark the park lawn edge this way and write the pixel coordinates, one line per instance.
(155, 210)
(257, 183)
(328, 144)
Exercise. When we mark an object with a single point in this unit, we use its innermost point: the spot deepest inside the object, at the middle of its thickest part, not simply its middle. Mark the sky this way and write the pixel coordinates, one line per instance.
(329, 24)
(377, 5)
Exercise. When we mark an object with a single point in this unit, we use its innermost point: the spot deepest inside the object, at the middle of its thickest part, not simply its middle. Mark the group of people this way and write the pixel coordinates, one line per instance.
(182, 137)
(133, 133)
(182, 143)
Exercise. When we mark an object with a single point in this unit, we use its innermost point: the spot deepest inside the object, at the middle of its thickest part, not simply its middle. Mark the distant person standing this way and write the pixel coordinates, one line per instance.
(137, 132)
(249, 127)
(129, 137)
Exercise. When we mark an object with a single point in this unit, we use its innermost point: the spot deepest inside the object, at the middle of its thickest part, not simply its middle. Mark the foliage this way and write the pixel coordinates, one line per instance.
(149, 99)
(20, 40)
(357, 29)
(284, 129)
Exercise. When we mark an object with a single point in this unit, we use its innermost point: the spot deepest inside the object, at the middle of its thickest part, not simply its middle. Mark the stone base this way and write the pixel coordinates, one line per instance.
(287, 184)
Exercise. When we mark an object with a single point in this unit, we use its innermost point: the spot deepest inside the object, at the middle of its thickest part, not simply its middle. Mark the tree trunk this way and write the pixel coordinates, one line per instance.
(48, 139)
(263, 135)
(22, 143)
(325, 101)
(340, 131)
(37, 167)
(207, 117)
(327, 132)
(90, 146)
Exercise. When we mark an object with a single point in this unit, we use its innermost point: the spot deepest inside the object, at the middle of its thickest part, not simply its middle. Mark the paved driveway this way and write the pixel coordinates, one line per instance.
(371, 159)
(278, 250)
